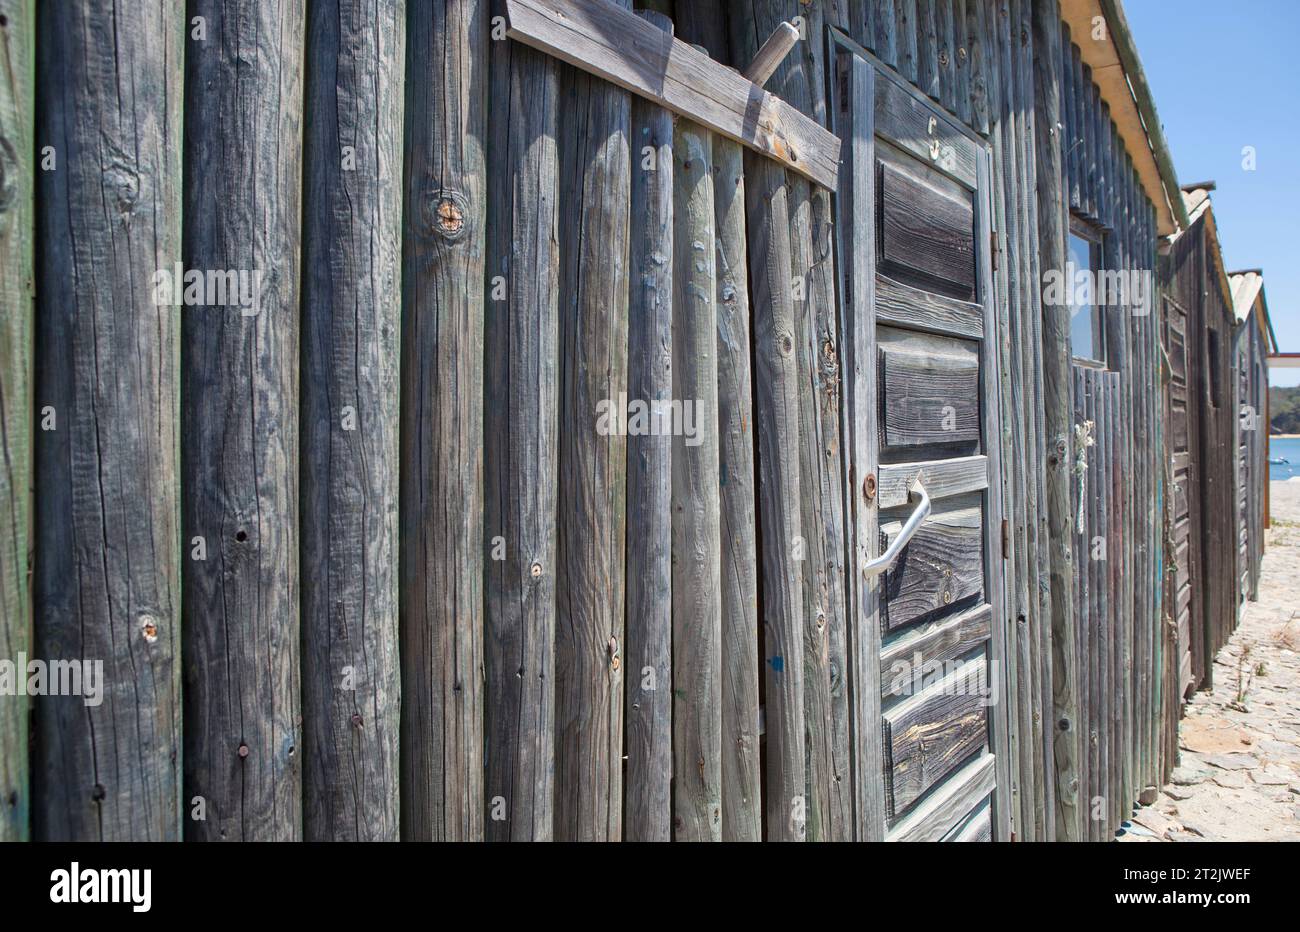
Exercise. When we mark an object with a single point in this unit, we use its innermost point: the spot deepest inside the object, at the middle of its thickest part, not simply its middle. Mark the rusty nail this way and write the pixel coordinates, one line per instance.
(243, 750)
(869, 487)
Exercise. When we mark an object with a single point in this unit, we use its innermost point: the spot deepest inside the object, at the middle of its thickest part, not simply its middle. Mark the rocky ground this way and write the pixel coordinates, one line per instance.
(1239, 772)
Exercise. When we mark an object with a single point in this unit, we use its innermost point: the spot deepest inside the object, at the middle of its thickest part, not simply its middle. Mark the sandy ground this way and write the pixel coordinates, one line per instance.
(1239, 773)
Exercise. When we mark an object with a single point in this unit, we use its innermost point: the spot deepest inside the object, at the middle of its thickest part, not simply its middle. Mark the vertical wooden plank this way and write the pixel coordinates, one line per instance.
(17, 63)
(863, 16)
(594, 190)
(886, 30)
(1061, 729)
(1111, 533)
(1096, 505)
(1073, 134)
(945, 31)
(962, 61)
(776, 420)
(106, 584)
(705, 24)
(741, 793)
(908, 29)
(243, 149)
(1088, 141)
(352, 237)
(648, 792)
(977, 34)
(697, 543)
(927, 47)
(442, 529)
(855, 114)
(520, 404)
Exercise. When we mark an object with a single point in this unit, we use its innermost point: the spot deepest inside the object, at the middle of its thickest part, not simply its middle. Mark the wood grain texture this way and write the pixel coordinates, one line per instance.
(443, 541)
(350, 405)
(942, 565)
(648, 648)
(594, 280)
(928, 397)
(938, 643)
(943, 478)
(1058, 411)
(909, 306)
(106, 584)
(926, 234)
(622, 48)
(697, 542)
(521, 394)
(929, 734)
(741, 789)
(243, 198)
(17, 88)
(776, 422)
(941, 811)
(906, 119)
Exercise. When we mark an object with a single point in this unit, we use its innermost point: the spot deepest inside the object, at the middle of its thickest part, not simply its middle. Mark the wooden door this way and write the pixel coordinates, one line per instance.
(922, 403)
(1186, 503)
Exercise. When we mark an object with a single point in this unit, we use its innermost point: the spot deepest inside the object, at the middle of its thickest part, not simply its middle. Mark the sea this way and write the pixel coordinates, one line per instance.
(1283, 448)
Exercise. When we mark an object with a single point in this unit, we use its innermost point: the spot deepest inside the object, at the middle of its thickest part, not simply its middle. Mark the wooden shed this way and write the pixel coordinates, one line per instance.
(647, 425)
(1253, 342)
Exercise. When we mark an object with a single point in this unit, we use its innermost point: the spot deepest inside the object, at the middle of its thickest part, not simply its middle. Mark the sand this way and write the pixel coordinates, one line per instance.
(1238, 777)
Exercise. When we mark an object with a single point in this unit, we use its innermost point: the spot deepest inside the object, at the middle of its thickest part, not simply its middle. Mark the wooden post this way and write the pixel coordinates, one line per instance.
(697, 543)
(243, 149)
(17, 61)
(521, 394)
(106, 586)
(1058, 419)
(442, 532)
(741, 796)
(776, 422)
(594, 219)
(351, 342)
(648, 648)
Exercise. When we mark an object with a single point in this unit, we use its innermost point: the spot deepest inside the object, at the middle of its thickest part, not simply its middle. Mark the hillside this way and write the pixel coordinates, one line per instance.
(1284, 410)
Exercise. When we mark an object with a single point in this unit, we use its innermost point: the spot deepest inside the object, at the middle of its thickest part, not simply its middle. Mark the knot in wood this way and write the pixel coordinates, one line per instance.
(535, 570)
(149, 627)
(123, 183)
(9, 174)
(444, 214)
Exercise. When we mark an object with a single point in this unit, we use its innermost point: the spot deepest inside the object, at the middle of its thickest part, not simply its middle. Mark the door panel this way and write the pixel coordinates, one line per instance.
(1181, 420)
(927, 632)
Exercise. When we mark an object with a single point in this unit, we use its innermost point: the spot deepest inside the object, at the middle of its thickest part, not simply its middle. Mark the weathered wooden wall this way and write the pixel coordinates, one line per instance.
(17, 88)
(468, 247)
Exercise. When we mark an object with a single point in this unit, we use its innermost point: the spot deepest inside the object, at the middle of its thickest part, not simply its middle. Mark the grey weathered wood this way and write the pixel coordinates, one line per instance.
(978, 58)
(942, 565)
(908, 28)
(926, 234)
(927, 47)
(928, 397)
(106, 584)
(741, 767)
(1061, 729)
(946, 37)
(776, 422)
(886, 31)
(905, 305)
(930, 733)
(352, 235)
(978, 828)
(442, 529)
(520, 403)
(703, 24)
(906, 119)
(697, 543)
(594, 190)
(17, 61)
(648, 646)
(243, 148)
(621, 47)
(938, 643)
(771, 53)
(855, 115)
(943, 478)
(962, 61)
(944, 809)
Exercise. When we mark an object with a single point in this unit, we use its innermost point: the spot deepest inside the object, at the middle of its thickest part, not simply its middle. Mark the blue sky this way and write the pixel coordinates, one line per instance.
(1226, 76)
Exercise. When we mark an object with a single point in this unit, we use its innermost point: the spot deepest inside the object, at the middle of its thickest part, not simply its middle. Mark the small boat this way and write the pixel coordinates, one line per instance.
(1279, 462)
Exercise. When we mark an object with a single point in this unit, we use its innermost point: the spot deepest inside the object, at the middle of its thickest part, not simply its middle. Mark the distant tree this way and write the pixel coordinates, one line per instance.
(1284, 410)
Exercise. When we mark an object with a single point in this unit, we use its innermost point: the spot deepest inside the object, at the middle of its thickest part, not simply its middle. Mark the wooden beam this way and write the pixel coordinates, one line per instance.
(17, 60)
(621, 47)
(442, 538)
(772, 53)
(106, 584)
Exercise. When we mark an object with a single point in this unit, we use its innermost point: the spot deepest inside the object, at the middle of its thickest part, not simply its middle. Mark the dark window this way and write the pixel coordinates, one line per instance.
(1087, 337)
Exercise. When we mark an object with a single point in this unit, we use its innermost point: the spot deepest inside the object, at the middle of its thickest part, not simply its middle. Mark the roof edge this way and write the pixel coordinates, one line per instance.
(1122, 37)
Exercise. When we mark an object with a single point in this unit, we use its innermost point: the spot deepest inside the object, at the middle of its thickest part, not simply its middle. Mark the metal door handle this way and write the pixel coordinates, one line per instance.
(883, 562)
